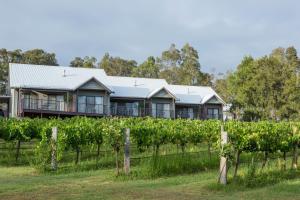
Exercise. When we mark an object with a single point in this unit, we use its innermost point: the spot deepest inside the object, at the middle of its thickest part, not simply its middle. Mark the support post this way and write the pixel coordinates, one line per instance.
(54, 149)
(223, 159)
(127, 151)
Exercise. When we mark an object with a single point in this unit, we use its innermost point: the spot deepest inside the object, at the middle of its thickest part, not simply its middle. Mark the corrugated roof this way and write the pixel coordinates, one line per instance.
(133, 87)
(193, 94)
(51, 77)
(69, 78)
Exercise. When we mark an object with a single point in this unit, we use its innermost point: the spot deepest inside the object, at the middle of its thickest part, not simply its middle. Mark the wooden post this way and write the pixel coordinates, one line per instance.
(127, 151)
(223, 160)
(54, 149)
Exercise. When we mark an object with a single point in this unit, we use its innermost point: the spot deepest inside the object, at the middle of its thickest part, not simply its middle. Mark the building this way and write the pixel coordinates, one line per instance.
(37, 90)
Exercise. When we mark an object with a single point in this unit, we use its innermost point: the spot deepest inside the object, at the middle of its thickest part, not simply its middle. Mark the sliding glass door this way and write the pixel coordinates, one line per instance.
(90, 104)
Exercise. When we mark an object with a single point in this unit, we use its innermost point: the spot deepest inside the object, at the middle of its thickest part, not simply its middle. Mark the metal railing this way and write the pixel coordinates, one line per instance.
(62, 106)
(92, 108)
(126, 111)
(214, 116)
(141, 112)
(186, 114)
(29, 104)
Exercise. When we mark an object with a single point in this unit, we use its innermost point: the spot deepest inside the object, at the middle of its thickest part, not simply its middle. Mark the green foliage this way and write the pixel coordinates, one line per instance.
(80, 133)
(264, 88)
(87, 62)
(34, 56)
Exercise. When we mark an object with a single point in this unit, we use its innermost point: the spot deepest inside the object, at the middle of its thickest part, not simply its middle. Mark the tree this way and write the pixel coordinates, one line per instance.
(189, 71)
(35, 56)
(266, 88)
(116, 66)
(169, 63)
(148, 69)
(39, 57)
(87, 62)
(291, 95)
(182, 66)
(7, 57)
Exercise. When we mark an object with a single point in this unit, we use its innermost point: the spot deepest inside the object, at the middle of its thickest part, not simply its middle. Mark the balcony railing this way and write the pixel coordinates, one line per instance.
(62, 106)
(186, 114)
(214, 116)
(141, 112)
(126, 111)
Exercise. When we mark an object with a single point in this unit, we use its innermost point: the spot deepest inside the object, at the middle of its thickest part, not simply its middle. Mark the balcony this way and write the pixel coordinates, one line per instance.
(215, 116)
(130, 111)
(186, 114)
(33, 105)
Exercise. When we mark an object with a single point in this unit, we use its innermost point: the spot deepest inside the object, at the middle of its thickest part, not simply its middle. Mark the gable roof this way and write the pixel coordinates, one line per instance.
(193, 94)
(51, 77)
(97, 81)
(133, 87)
(154, 92)
(71, 78)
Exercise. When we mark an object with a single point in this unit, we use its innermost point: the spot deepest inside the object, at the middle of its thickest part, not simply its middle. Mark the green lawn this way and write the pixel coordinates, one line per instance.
(26, 183)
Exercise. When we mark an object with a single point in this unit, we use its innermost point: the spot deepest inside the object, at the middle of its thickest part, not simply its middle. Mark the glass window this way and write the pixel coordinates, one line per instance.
(60, 105)
(153, 109)
(190, 113)
(213, 113)
(81, 104)
(99, 105)
(161, 110)
(51, 102)
(132, 109)
(90, 104)
(26, 101)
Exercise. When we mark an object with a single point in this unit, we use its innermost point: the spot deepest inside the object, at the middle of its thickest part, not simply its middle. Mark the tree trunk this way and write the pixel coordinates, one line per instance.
(209, 150)
(265, 159)
(237, 163)
(284, 160)
(18, 150)
(77, 155)
(98, 150)
(157, 150)
(295, 157)
(117, 164)
(182, 148)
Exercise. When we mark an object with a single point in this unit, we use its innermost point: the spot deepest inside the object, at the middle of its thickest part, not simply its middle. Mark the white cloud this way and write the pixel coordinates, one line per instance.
(222, 31)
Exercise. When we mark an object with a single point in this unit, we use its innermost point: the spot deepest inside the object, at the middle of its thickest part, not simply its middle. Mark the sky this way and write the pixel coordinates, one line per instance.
(222, 31)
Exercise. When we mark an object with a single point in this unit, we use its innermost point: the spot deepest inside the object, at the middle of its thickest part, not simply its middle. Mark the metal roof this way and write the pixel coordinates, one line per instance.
(69, 78)
(193, 94)
(51, 77)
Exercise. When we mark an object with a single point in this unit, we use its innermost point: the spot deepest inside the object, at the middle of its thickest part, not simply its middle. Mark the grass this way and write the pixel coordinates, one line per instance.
(26, 183)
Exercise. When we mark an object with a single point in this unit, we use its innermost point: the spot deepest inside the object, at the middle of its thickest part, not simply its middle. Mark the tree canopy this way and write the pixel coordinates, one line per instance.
(35, 56)
(266, 87)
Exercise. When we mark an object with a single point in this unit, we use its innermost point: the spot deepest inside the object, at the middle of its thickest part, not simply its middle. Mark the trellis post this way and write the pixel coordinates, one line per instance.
(127, 151)
(223, 159)
(54, 149)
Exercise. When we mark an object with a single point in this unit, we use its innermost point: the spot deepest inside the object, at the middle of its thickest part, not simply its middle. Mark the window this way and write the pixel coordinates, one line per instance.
(187, 113)
(60, 103)
(30, 101)
(82, 104)
(26, 101)
(161, 110)
(90, 104)
(51, 102)
(125, 109)
(132, 109)
(213, 113)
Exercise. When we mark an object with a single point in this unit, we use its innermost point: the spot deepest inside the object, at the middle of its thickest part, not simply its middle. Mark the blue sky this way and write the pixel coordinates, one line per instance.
(223, 31)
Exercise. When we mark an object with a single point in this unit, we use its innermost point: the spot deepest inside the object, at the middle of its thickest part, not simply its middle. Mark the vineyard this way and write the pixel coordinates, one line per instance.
(190, 145)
